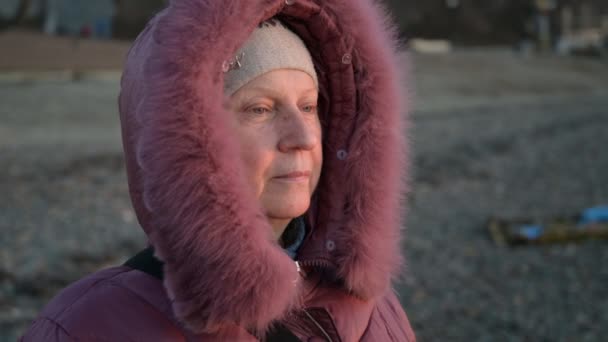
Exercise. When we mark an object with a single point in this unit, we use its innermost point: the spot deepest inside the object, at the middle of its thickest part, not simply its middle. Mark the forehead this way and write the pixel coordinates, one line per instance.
(279, 82)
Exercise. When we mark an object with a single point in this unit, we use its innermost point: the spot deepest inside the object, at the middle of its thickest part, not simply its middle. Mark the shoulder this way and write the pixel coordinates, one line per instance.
(115, 303)
(388, 321)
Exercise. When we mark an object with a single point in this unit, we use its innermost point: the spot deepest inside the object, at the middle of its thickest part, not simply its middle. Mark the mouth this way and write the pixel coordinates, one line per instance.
(296, 176)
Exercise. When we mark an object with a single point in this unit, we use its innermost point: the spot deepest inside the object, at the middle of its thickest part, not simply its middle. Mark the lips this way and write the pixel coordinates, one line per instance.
(295, 175)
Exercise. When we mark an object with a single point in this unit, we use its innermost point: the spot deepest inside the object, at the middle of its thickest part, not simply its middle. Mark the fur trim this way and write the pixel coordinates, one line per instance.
(374, 171)
(185, 176)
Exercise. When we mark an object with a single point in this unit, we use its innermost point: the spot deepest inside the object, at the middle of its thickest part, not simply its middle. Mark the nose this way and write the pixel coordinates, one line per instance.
(298, 131)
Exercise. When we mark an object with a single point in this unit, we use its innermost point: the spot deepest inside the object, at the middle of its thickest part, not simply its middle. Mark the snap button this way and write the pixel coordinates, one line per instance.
(342, 154)
(330, 245)
(347, 58)
(226, 66)
(290, 2)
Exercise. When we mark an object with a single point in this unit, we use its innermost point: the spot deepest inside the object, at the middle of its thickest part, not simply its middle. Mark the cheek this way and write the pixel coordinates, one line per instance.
(256, 157)
(317, 159)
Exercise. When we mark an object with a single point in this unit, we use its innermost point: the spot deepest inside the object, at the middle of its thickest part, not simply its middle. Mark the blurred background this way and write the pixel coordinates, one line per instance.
(510, 124)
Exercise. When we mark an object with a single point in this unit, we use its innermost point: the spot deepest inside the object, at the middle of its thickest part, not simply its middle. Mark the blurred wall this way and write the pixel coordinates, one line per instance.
(479, 21)
(462, 21)
(132, 16)
(71, 17)
(8, 8)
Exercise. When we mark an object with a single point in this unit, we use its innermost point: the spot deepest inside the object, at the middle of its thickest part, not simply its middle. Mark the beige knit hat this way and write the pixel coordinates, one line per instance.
(271, 46)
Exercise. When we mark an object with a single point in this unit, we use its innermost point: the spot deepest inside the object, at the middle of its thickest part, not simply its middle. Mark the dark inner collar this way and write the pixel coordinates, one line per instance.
(291, 240)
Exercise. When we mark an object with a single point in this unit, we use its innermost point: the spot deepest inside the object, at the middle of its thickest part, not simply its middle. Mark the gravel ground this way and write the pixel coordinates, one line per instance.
(493, 135)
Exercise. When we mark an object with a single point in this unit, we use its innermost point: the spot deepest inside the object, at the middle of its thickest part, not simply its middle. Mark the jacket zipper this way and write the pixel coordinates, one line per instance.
(318, 325)
(314, 264)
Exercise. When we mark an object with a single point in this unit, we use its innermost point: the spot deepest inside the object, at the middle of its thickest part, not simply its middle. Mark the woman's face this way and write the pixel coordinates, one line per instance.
(280, 136)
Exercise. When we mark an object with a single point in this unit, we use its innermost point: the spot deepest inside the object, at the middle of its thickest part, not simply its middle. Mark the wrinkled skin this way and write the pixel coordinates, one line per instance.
(278, 128)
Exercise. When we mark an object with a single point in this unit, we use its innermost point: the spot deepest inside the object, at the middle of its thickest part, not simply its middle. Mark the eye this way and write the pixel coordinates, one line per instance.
(259, 110)
(309, 108)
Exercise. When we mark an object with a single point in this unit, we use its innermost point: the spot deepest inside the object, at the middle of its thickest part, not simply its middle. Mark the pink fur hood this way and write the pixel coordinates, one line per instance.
(184, 172)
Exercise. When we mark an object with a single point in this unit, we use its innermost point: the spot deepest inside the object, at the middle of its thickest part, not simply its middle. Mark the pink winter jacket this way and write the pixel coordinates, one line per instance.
(223, 277)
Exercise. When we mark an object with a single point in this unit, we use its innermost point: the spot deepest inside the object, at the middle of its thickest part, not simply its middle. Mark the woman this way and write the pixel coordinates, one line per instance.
(264, 151)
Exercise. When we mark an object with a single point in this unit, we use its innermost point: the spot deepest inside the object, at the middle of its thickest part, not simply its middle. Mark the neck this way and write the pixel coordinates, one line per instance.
(278, 226)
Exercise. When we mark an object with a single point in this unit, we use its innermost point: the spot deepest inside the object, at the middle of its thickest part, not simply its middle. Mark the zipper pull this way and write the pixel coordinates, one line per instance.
(301, 271)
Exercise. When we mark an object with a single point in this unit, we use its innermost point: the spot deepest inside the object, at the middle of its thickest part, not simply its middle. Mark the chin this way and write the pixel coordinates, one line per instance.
(287, 207)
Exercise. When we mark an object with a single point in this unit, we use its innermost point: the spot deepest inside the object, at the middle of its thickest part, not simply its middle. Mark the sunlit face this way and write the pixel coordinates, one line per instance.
(280, 137)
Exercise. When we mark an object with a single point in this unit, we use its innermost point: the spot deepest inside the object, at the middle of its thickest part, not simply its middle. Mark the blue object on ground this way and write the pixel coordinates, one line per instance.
(594, 215)
(531, 232)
